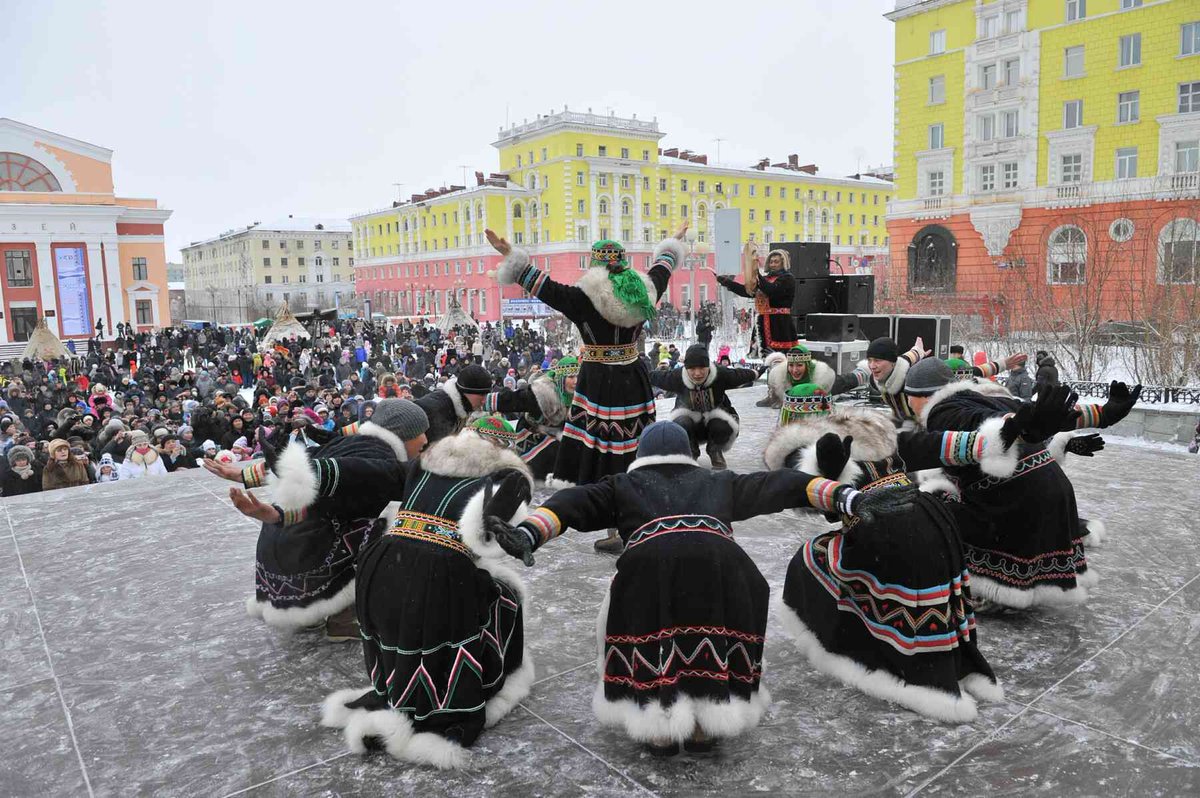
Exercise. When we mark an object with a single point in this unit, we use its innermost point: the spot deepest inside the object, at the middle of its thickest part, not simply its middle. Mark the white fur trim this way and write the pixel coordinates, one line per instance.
(546, 393)
(512, 265)
(555, 483)
(492, 558)
(997, 461)
(934, 480)
(729, 419)
(808, 464)
(662, 459)
(468, 454)
(985, 387)
(293, 483)
(450, 388)
(653, 722)
(933, 703)
(516, 687)
(894, 383)
(778, 381)
(293, 618)
(401, 742)
(334, 712)
(874, 435)
(1097, 532)
(774, 358)
(252, 607)
(708, 380)
(682, 412)
(983, 688)
(672, 245)
(1058, 445)
(1039, 596)
(602, 630)
(823, 375)
(598, 288)
(372, 430)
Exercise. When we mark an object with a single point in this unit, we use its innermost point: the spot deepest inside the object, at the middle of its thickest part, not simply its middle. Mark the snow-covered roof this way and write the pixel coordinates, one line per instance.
(305, 224)
(449, 195)
(773, 171)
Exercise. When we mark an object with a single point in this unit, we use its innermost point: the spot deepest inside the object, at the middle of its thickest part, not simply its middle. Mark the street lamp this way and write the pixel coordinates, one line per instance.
(696, 259)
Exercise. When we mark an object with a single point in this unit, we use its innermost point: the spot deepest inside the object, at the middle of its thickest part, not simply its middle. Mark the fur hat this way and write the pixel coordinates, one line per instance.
(55, 445)
(138, 437)
(17, 452)
(664, 438)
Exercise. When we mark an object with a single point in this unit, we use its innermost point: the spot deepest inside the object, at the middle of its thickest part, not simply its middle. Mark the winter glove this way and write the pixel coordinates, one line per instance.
(517, 541)
(832, 454)
(1120, 401)
(270, 454)
(1054, 411)
(1085, 445)
(868, 505)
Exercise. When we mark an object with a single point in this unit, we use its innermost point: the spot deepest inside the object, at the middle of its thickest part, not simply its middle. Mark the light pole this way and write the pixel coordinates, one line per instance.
(696, 258)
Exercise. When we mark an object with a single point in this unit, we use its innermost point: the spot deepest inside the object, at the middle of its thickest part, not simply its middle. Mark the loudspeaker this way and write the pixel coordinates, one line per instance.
(853, 293)
(872, 326)
(831, 327)
(808, 258)
(934, 331)
(812, 295)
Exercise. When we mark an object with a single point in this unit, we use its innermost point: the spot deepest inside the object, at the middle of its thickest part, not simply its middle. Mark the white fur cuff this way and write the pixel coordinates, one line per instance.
(512, 265)
(1058, 445)
(673, 247)
(293, 483)
(996, 461)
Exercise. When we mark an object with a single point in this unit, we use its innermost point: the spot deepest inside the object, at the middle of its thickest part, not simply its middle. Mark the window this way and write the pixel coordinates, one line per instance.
(937, 186)
(937, 42)
(989, 27)
(283, 262)
(1012, 71)
(283, 245)
(937, 89)
(1178, 251)
(645, 209)
(626, 233)
(753, 189)
(144, 310)
(578, 150)
(602, 151)
(21, 173)
(767, 215)
(987, 127)
(1130, 50)
(662, 184)
(1067, 257)
(140, 271)
(18, 265)
(683, 185)
(602, 181)
(267, 262)
(1189, 39)
(624, 181)
(266, 244)
(987, 76)
(1128, 106)
(603, 233)
(267, 279)
(700, 186)
(1012, 21)
(337, 261)
(837, 218)
(662, 210)
(603, 207)
(581, 234)
(1189, 97)
(518, 160)
(625, 152)
(937, 136)
(317, 243)
(752, 214)
(1187, 156)
(1011, 173)
(646, 183)
(987, 177)
(1073, 62)
(1125, 4)
(579, 178)
(1010, 124)
(299, 261)
(796, 217)
(543, 153)
(1072, 114)
(645, 155)
(1071, 169)
(626, 207)
(1076, 9)
(580, 207)
(1127, 163)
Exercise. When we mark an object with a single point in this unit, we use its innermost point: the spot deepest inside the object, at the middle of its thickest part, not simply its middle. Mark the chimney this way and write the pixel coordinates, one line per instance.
(763, 164)
(810, 168)
(479, 178)
(660, 152)
(794, 161)
(685, 155)
(701, 159)
(673, 152)
(457, 188)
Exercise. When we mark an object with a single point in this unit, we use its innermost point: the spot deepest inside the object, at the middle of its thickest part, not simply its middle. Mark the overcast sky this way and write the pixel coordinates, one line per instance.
(231, 112)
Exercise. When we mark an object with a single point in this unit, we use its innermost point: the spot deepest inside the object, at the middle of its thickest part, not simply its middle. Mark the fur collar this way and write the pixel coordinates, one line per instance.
(984, 387)
(894, 383)
(546, 393)
(709, 380)
(469, 455)
(780, 381)
(662, 459)
(598, 289)
(372, 430)
(874, 436)
(451, 389)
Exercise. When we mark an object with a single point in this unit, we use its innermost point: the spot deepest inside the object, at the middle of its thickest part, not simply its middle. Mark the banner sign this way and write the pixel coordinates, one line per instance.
(74, 301)
(529, 308)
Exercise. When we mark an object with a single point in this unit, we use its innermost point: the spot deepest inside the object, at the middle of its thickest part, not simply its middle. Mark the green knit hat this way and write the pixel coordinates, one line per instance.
(804, 400)
(961, 368)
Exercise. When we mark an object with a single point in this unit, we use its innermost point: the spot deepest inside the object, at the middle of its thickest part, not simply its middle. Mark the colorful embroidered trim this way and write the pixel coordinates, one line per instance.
(1026, 464)
(887, 480)
(961, 448)
(329, 475)
(350, 429)
(1092, 414)
(254, 475)
(545, 523)
(989, 369)
(666, 260)
(612, 412)
(678, 523)
(609, 354)
(293, 516)
(532, 279)
(822, 493)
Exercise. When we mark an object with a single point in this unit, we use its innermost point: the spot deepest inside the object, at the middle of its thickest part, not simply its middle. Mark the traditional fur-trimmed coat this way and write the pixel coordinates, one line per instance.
(447, 409)
(707, 400)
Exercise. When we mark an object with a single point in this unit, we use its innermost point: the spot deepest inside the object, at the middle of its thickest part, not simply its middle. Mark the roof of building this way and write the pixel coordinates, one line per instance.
(305, 224)
(750, 171)
(490, 183)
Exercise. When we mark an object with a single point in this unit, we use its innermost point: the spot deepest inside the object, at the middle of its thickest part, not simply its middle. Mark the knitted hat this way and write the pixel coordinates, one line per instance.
(883, 349)
(805, 400)
(405, 419)
(474, 379)
(799, 354)
(208, 446)
(184, 429)
(696, 357)
(496, 429)
(138, 437)
(961, 368)
(664, 438)
(17, 452)
(106, 459)
(926, 376)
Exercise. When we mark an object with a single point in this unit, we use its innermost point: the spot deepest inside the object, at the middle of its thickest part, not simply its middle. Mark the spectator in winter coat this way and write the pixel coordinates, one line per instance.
(106, 469)
(63, 470)
(1047, 373)
(19, 472)
(141, 460)
(1020, 384)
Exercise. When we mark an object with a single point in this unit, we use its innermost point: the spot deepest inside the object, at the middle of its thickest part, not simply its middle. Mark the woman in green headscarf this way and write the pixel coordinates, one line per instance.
(542, 408)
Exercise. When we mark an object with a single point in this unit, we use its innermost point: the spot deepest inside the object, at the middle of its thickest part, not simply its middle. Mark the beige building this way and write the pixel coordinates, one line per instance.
(244, 274)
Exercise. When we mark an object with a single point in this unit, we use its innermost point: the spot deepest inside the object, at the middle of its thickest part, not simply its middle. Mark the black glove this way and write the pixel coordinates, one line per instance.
(832, 454)
(1120, 401)
(1053, 412)
(516, 541)
(868, 505)
(1085, 445)
(270, 453)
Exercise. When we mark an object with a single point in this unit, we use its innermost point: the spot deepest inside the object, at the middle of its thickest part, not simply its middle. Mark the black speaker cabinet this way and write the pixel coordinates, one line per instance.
(853, 293)
(934, 331)
(831, 327)
(812, 295)
(871, 326)
(808, 258)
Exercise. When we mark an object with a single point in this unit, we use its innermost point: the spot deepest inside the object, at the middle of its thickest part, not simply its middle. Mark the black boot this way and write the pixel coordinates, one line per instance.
(611, 544)
(717, 458)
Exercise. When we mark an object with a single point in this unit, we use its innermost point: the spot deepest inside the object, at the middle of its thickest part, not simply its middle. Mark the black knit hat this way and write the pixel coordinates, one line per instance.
(696, 357)
(474, 379)
(883, 349)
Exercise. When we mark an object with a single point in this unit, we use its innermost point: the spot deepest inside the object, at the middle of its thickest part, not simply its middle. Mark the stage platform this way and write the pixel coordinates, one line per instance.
(128, 666)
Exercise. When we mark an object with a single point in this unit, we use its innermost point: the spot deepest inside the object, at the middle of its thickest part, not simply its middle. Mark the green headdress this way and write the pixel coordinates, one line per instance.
(565, 367)
(627, 284)
(804, 400)
(961, 368)
(495, 428)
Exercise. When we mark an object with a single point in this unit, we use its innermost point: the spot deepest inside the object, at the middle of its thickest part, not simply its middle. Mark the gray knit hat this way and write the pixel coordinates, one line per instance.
(401, 417)
(927, 376)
